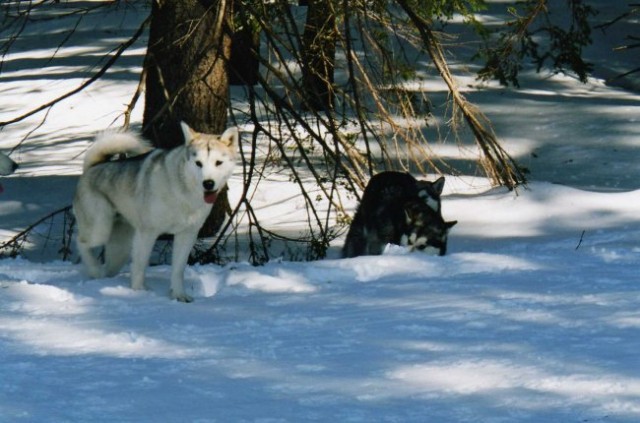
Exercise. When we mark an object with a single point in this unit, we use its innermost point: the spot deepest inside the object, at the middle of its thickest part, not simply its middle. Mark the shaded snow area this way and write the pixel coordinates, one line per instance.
(537, 322)
(533, 315)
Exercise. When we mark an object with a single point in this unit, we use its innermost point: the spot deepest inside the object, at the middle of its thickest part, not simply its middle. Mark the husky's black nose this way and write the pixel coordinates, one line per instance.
(208, 185)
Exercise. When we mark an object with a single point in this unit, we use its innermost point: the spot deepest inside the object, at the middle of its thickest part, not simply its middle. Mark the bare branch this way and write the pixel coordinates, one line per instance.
(121, 49)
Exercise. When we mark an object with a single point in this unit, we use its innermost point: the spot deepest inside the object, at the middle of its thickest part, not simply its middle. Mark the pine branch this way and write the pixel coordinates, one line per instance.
(498, 164)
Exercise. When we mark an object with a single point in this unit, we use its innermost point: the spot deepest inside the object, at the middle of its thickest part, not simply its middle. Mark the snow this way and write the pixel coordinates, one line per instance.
(533, 316)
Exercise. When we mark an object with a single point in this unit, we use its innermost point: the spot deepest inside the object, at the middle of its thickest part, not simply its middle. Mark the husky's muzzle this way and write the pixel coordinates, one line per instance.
(210, 195)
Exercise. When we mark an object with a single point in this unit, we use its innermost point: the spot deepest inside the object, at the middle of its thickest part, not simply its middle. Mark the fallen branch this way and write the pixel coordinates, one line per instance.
(14, 245)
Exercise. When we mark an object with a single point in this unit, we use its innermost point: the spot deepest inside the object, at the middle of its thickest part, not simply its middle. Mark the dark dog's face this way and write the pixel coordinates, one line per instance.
(425, 229)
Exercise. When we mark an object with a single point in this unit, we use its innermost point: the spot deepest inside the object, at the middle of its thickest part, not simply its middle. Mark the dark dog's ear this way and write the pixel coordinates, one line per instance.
(425, 187)
(451, 224)
(438, 185)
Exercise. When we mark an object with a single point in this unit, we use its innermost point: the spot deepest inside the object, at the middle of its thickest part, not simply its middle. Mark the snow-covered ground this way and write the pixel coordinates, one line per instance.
(533, 316)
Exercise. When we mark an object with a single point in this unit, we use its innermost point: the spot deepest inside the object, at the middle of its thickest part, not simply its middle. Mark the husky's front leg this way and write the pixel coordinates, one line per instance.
(182, 244)
(140, 253)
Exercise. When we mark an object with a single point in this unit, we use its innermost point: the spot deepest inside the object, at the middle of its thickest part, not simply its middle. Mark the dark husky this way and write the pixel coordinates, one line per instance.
(396, 208)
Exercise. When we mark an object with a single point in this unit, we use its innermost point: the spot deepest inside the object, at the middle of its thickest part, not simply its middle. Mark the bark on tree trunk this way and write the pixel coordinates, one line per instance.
(186, 65)
(318, 54)
(244, 64)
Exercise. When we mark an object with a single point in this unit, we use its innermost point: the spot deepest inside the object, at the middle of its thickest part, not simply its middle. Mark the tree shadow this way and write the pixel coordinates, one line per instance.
(70, 40)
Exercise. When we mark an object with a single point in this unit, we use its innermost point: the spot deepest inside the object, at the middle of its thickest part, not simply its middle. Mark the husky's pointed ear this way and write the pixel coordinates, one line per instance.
(188, 133)
(438, 185)
(230, 136)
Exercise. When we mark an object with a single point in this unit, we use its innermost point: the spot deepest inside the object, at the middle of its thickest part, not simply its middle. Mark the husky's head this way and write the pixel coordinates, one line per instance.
(425, 229)
(430, 192)
(211, 158)
(7, 167)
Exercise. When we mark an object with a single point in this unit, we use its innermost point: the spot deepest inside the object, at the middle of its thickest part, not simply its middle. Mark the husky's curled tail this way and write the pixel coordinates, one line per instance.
(112, 144)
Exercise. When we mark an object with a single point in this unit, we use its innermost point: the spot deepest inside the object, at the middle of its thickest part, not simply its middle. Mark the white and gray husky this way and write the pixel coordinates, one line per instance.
(398, 209)
(124, 205)
(7, 167)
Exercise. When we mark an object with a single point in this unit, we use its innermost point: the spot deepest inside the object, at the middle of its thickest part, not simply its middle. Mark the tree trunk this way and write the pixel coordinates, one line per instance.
(318, 54)
(244, 64)
(187, 80)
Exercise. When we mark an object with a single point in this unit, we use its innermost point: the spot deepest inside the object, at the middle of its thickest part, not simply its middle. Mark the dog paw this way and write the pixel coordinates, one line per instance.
(96, 272)
(139, 286)
(182, 297)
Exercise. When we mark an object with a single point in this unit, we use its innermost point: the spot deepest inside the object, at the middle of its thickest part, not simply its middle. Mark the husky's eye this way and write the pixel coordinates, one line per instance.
(219, 162)
(198, 163)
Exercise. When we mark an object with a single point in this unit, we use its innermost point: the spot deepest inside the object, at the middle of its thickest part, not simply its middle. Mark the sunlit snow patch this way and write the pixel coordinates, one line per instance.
(36, 299)
(282, 281)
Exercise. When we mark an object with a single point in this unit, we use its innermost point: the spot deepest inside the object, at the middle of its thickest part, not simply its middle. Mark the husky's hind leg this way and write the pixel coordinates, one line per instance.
(140, 253)
(118, 248)
(355, 242)
(94, 229)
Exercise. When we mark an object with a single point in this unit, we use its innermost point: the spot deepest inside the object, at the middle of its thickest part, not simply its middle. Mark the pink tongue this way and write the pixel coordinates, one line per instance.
(210, 197)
